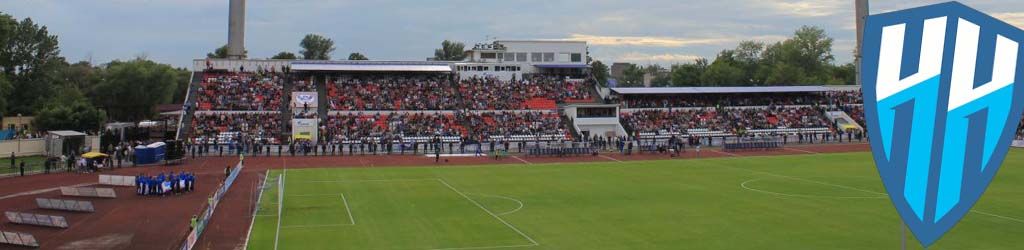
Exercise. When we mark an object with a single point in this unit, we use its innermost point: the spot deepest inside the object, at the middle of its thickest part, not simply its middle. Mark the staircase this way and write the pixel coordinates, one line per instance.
(567, 123)
(286, 106)
(322, 103)
(842, 119)
(185, 128)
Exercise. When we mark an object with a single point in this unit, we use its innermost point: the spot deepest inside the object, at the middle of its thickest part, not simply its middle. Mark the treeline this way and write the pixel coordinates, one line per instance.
(804, 59)
(35, 80)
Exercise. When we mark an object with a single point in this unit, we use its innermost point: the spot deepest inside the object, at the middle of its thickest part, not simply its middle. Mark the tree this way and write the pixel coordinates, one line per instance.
(632, 76)
(845, 74)
(130, 90)
(316, 47)
(450, 51)
(181, 89)
(285, 55)
(600, 72)
(222, 52)
(81, 75)
(355, 56)
(689, 74)
(69, 110)
(29, 60)
(5, 88)
(723, 73)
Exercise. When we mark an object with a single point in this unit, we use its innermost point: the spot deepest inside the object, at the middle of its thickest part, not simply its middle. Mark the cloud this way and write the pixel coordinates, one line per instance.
(656, 58)
(645, 41)
(1012, 18)
(811, 8)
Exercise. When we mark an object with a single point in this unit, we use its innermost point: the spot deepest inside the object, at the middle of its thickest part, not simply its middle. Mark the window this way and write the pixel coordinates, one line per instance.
(510, 57)
(500, 56)
(521, 57)
(536, 57)
(488, 55)
(548, 57)
(576, 57)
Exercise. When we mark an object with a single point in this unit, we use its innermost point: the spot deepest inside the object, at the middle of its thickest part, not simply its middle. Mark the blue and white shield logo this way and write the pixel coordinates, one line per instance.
(942, 101)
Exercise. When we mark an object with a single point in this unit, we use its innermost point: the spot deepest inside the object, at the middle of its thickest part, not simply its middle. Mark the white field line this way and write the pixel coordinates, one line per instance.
(800, 150)
(744, 186)
(867, 191)
(812, 181)
(253, 222)
(317, 225)
(350, 218)
(521, 159)
(488, 212)
(491, 247)
(39, 191)
(357, 180)
(284, 175)
(725, 153)
(502, 197)
(610, 158)
(311, 195)
(997, 216)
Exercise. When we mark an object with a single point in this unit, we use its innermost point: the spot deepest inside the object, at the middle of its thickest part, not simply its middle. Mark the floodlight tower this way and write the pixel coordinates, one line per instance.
(861, 7)
(236, 29)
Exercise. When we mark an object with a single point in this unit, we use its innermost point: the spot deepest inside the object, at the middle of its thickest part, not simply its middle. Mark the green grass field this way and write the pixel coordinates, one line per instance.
(32, 163)
(828, 201)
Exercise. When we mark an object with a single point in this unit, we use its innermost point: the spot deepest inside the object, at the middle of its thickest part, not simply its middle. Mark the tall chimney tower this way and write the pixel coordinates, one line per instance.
(236, 29)
(861, 15)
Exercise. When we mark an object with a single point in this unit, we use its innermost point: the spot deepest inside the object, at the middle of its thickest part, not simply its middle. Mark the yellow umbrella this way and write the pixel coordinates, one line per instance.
(849, 127)
(91, 155)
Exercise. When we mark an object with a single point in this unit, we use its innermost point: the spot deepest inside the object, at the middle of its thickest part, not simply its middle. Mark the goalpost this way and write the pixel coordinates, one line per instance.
(280, 207)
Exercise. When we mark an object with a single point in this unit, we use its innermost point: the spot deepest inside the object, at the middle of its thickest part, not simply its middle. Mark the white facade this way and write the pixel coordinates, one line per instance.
(513, 58)
(501, 59)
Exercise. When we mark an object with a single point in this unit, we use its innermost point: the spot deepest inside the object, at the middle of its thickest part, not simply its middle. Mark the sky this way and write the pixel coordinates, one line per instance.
(640, 31)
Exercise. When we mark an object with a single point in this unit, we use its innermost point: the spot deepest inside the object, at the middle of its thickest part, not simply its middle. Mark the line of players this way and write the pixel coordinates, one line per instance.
(165, 184)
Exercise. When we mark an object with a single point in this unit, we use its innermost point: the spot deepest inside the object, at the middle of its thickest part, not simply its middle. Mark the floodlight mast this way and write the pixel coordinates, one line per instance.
(861, 12)
(236, 29)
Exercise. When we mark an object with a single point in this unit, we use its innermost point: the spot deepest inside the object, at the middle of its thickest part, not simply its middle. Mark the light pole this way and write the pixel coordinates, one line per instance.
(19, 139)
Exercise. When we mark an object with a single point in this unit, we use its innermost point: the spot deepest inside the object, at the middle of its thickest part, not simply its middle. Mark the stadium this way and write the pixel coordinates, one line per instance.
(517, 144)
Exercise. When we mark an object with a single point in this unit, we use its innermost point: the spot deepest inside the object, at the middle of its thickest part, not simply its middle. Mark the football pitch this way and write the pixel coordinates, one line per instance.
(823, 201)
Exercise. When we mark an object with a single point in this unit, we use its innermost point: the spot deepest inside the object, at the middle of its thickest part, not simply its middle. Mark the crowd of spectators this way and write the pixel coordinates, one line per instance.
(673, 121)
(393, 92)
(303, 85)
(441, 92)
(1020, 130)
(727, 120)
(514, 123)
(241, 91)
(358, 125)
(259, 125)
(470, 125)
(838, 98)
(494, 94)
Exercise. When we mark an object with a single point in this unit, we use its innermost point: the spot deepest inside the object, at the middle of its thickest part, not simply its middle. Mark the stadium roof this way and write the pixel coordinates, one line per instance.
(562, 66)
(371, 66)
(720, 90)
